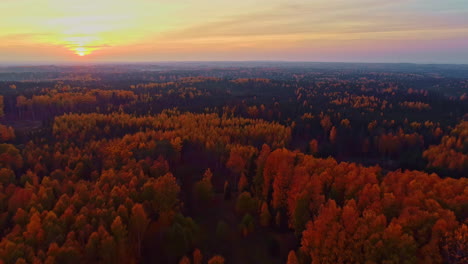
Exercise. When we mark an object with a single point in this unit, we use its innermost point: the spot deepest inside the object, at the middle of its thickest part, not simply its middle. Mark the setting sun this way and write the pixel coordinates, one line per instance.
(82, 45)
(82, 51)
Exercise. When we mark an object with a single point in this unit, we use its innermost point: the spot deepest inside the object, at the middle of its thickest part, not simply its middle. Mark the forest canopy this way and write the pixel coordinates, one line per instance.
(290, 163)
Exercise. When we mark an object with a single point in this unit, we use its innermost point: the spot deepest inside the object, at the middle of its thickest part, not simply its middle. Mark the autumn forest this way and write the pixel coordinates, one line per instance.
(234, 163)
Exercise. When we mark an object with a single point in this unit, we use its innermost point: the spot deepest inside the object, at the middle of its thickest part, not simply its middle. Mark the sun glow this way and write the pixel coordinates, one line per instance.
(82, 51)
(82, 45)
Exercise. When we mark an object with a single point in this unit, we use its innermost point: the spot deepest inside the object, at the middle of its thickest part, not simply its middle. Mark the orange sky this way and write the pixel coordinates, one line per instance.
(305, 30)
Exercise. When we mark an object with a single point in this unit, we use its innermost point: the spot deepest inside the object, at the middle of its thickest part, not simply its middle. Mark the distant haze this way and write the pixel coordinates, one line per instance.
(88, 31)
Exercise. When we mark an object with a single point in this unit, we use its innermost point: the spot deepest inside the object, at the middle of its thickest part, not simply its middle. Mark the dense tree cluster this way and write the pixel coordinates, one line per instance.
(416, 105)
(210, 130)
(54, 102)
(452, 152)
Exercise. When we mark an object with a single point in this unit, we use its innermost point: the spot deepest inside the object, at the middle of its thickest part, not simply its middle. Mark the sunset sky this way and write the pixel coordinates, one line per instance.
(426, 31)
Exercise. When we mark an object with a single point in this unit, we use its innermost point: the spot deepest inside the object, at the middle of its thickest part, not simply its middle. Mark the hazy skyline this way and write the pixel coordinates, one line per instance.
(421, 31)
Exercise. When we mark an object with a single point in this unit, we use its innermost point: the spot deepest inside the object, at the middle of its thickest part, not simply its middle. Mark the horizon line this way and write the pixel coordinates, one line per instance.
(70, 63)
